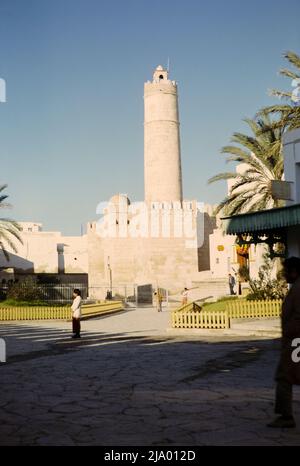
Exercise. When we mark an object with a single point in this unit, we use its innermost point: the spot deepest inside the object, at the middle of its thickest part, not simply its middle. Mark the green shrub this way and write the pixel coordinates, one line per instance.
(18, 303)
(266, 287)
(27, 290)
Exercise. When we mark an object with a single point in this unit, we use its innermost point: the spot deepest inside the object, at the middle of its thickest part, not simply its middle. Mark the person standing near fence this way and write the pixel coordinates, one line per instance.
(231, 283)
(159, 299)
(184, 296)
(76, 313)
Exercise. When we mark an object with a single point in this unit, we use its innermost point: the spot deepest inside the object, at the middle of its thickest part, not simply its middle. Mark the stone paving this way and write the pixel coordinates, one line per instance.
(129, 382)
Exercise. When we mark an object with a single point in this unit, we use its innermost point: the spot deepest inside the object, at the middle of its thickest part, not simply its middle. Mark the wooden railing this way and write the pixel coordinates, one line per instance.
(248, 309)
(193, 306)
(57, 312)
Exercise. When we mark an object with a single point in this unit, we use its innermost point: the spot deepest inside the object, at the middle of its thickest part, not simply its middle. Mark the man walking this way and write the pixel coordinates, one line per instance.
(288, 370)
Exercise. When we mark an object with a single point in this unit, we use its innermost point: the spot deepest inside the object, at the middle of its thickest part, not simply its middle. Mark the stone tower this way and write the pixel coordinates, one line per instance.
(162, 169)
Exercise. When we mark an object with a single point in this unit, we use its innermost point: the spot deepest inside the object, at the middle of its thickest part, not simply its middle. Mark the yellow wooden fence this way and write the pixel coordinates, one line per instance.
(202, 319)
(92, 310)
(243, 309)
(192, 315)
(57, 312)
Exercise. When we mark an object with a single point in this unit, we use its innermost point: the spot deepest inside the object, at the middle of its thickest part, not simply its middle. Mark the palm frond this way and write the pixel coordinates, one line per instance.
(288, 73)
(280, 94)
(253, 124)
(222, 176)
(293, 58)
(9, 229)
(2, 187)
(234, 150)
(276, 109)
(251, 143)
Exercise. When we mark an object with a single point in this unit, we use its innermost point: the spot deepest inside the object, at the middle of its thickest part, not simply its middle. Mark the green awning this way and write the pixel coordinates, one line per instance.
(263, 220)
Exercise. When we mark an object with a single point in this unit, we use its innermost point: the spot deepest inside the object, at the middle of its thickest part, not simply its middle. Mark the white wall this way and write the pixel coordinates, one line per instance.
(291, 150)
(38, 252)
(224, 261)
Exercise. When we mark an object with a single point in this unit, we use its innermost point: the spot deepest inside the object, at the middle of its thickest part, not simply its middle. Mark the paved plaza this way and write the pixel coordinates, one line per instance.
(130, 382)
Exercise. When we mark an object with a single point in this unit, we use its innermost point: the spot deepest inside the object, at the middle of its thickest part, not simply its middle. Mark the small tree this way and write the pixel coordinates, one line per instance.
(26, 290)
(266, 287)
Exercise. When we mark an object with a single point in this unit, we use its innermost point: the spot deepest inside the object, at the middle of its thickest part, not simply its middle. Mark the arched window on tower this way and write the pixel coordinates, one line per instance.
(161, 76)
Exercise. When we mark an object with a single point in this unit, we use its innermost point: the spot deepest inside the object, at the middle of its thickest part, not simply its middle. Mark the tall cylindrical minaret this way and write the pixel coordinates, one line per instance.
(163, 181)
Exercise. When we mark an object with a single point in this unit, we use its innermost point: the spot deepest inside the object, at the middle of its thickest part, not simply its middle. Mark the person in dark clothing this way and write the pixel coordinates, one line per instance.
(288, 369)
(231, 282)
(76, 313)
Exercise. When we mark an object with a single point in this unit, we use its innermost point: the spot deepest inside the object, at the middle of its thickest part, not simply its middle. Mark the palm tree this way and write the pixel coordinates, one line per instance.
(261, 155)
(9, 229)
(288, 114)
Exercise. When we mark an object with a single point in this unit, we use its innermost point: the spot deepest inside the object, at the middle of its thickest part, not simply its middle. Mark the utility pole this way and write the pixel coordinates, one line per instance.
(110, 275)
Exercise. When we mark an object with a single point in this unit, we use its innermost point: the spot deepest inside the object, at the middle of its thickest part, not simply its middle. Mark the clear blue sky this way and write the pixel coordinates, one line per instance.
(71, 132)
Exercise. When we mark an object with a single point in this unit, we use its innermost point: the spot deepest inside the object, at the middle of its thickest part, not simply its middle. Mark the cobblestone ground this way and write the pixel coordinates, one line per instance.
(128, 382)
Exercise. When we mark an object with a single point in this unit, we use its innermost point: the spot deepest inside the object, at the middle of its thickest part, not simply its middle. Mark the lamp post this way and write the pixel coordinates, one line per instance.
(110, 275)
